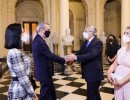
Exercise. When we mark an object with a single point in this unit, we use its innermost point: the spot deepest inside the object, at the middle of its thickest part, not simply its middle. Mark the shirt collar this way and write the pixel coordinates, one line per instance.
(90, 39)
(42, 37)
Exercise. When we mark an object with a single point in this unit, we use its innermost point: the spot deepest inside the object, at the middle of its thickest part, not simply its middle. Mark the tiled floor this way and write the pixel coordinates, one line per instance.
(71, 87)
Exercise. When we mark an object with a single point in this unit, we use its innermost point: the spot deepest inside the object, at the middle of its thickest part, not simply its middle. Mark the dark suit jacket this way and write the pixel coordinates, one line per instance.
(42, 57)
(91, 60)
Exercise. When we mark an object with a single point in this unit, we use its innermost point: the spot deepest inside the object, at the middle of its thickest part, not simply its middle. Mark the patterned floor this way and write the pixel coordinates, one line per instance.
(71, 87)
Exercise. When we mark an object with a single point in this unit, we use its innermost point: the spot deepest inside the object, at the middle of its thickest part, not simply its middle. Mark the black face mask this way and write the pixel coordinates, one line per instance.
(111, 40)
(47, 34)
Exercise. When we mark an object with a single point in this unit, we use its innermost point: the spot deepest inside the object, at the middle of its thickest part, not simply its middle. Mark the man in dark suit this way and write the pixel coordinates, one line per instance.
(90, 56)
(42, 68)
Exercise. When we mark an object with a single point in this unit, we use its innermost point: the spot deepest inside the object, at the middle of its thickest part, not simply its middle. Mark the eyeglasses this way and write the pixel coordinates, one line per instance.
(126, 33)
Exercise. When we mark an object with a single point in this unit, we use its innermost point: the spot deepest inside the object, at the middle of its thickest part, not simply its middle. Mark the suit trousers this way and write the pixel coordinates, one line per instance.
(92, 90)
(47, 91)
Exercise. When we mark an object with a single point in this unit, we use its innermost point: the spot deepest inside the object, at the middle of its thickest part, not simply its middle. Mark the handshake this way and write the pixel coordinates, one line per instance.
(70, 59)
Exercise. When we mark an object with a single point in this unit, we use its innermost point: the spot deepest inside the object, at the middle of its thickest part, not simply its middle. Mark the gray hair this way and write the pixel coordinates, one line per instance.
(92, 29)
(40, 26)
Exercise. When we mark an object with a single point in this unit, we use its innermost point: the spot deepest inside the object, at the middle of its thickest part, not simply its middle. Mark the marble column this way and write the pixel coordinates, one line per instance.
(91, 17)
(47, 19)
(47, 14)
(4, 23)
(125, 17)
(11, 13)
(53, 16)
(53, 20)
(64, 21)
(102, 20)
(98, 17)
(0, 23)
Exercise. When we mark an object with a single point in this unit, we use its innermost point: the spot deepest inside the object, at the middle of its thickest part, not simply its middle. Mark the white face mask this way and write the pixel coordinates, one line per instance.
(85, 35)
(126, 39)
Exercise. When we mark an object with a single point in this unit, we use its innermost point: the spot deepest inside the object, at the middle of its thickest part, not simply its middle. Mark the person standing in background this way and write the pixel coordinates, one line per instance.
(111, 48)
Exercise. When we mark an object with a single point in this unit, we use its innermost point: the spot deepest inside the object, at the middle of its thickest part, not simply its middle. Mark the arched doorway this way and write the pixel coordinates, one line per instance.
(29, 13)
(112, 20)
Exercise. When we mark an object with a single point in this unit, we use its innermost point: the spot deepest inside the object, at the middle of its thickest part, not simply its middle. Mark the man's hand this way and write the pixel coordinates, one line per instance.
(72, 56)
(68, 60)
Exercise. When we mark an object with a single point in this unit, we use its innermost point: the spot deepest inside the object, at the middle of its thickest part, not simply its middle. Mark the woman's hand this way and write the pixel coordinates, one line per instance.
(117, 82)
(110, 59)
(109, 77)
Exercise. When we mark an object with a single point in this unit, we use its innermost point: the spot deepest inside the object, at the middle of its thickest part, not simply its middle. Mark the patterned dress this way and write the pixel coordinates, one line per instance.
(19, 66)
(123, 69)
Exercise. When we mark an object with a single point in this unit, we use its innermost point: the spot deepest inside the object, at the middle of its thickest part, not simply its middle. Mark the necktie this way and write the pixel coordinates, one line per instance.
(87, 43)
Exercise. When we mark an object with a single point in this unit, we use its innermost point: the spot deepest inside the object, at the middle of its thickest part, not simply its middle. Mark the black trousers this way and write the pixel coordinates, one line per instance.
(47, 91)
(92, 90)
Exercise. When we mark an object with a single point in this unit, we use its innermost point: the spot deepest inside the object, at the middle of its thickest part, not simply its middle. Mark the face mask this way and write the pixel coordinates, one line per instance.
(126, 39)
(111, 40)
(85, 35)
(47, 34)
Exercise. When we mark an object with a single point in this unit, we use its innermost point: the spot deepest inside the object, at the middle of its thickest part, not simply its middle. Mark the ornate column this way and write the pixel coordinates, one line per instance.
(98, 17)
(53, 16)
(11, 13)
(4, 23)
(47, 14)
(102, 19)
(47, 19)
(64, 21)
(0, 23)
(53, 21)
(125, 17)
(91, 17)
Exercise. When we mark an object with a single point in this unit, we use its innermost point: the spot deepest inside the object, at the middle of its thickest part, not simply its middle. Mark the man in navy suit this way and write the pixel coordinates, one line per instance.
(90, 56)
(42, 68)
